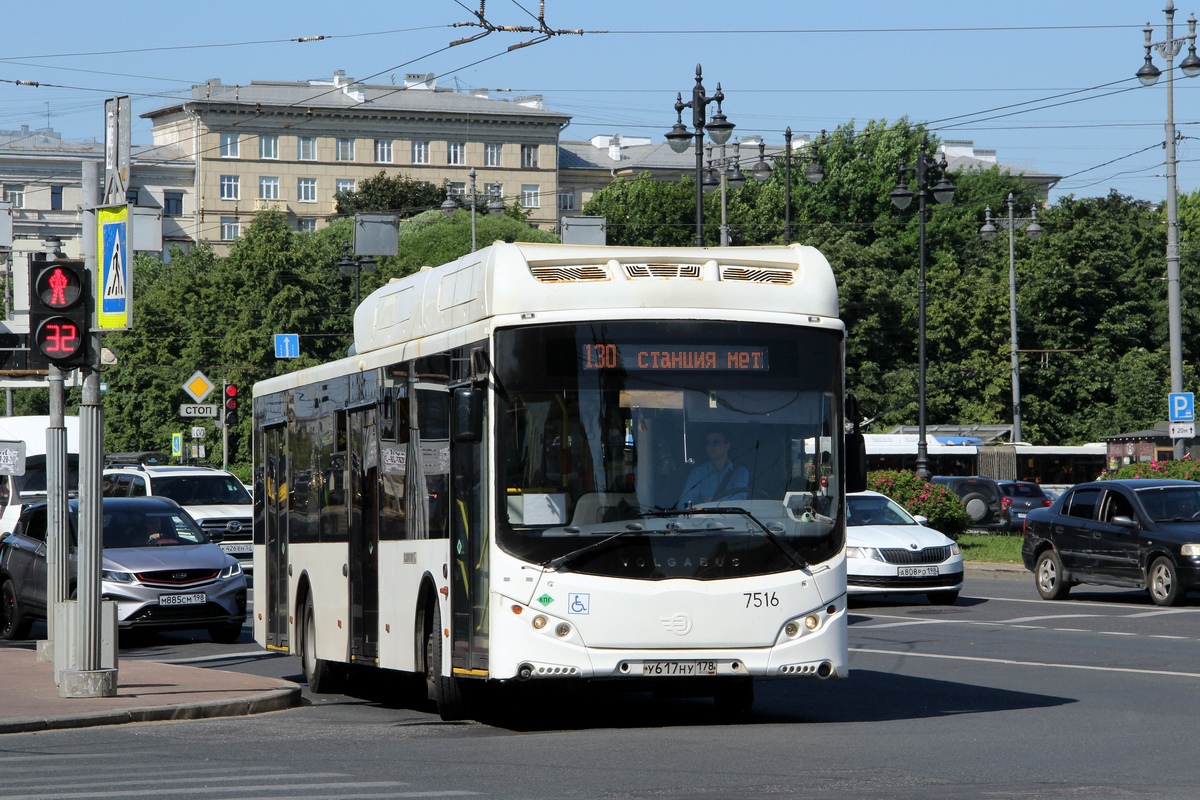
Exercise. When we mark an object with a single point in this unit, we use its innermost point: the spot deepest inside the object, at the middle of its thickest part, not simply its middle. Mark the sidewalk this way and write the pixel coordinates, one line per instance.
(147, 691)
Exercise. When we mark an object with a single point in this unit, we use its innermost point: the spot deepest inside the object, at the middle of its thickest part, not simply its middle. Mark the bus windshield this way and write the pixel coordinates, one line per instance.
(625, 447)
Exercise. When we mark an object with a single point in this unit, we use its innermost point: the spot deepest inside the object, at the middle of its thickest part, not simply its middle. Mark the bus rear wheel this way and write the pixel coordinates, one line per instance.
(444, 690)
(321, 675)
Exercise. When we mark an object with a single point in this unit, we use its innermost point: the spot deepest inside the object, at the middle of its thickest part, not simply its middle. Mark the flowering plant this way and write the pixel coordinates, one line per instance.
(946, 513)
(1185, 469)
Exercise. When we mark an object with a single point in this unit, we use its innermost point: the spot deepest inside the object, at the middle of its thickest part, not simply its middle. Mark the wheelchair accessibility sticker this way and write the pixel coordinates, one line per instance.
(577, 603)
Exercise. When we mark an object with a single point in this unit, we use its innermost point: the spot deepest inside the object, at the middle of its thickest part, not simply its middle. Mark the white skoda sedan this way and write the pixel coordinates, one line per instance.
(889, 551)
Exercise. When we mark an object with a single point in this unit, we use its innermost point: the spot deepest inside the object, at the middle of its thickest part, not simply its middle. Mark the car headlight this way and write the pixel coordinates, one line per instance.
(116, 577)
(862, 552)
(1190, 549)
(955, 549)
(233, 569)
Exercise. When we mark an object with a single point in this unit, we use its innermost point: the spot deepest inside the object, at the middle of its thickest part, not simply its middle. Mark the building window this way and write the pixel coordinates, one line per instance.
(56, 198)
(383, 151)
(456, 188)
(306, 190)
(229, 229)
(229, 145)
(230, 187)
(14, 193)
(306, 148)
(566, 201)
(494, 190)
(420, 152)
(268, 188)
(456, 153)
(529, 156)
(307, 224)
(493, 155)
(344, 185)
(345, 150)
(172, 204)
(131, 196)
(529, 195)
(268, 147)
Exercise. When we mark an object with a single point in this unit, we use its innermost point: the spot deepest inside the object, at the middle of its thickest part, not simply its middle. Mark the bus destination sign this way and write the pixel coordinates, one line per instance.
(661, 358)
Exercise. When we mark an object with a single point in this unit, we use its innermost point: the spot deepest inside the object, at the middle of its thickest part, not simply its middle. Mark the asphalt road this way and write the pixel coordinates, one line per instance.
(1001, 696)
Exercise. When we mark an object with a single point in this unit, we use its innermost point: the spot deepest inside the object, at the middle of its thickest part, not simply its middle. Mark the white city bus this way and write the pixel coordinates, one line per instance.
(494, 486)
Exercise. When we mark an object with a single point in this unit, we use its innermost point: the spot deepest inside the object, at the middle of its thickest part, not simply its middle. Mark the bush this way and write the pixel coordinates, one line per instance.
(1184, 469)
(946, 513)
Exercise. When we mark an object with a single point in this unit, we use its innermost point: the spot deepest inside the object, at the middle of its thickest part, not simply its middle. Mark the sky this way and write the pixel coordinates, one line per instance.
(1048, 84)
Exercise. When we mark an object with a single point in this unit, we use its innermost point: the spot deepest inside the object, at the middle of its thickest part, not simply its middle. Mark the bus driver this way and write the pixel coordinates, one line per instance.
(718, 478)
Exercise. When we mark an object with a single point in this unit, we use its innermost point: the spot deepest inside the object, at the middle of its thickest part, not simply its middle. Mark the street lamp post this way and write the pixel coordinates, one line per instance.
(1033, 230)
(1148, 75)
(355, 265)
(902, 196)
(680, 138)
(730, 170)
(814, 173)
(495, 206)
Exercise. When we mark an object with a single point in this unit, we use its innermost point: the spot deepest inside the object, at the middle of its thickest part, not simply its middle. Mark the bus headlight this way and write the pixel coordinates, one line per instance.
(812, 622)
(539, 622)
(791, 629)
(562, 630)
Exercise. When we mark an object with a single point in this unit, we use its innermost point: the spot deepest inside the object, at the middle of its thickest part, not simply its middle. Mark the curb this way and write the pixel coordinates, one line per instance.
(989, 569)
(277, 700)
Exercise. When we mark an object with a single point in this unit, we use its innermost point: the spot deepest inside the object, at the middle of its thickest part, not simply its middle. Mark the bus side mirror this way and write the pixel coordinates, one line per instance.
(856, 462)
(467, 418)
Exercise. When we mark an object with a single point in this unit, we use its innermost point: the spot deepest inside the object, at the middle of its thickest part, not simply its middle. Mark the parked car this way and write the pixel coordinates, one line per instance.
(162, 570)
(1018, 499)
(980, 495)
(1141, 534)
(216, 499)
(890, 551)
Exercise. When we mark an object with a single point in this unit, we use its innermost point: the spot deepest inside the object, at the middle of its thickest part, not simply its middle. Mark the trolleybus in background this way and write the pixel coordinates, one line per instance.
(491, 487)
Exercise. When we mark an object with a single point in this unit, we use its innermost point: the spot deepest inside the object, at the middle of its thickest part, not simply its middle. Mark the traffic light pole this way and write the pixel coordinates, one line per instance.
(224, 428)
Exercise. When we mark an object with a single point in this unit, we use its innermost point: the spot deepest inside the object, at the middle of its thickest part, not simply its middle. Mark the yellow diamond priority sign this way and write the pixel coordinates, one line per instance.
(198, 386)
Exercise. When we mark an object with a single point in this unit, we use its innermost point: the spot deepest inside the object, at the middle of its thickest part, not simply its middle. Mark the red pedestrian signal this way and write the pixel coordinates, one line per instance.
(59, 313)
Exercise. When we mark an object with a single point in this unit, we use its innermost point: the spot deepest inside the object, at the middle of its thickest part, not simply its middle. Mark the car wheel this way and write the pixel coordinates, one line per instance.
(225, 633)
(1048, 576)
(977, 507)
(445, 690)
(947, 598)
(13, 622)
(320, 674)
(1163, 583)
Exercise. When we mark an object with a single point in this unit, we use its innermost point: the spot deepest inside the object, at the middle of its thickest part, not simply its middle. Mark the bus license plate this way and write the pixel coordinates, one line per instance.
(197, 599)
(917, 572)
(237, 547)
(679, 668)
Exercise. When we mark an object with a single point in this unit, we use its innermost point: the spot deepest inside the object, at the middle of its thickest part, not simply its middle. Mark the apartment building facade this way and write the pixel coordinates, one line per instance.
(294, 145)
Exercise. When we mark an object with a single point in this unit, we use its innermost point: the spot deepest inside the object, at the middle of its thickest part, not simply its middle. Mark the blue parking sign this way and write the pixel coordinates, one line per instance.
(1181, 407)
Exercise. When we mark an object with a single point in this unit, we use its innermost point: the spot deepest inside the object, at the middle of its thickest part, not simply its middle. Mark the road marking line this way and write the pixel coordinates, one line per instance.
(1015, 663)
(1096, 603)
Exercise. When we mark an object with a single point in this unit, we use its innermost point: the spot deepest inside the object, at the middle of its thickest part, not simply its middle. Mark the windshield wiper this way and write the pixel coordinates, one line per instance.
(555, 563)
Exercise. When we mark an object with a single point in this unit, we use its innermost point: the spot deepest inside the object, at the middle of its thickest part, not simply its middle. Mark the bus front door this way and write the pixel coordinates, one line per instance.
(362, 480)
(468, 557)
(275, 535)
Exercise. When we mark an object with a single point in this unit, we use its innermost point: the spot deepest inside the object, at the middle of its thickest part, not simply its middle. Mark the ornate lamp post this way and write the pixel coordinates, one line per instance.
(730, 171)
(494, 208)
(814, 173)
(679, 137)
(1033, 230)
(1148, 75)
(902, 196)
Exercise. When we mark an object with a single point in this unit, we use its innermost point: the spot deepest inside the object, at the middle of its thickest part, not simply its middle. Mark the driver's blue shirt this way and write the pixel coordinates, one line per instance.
(704, 481)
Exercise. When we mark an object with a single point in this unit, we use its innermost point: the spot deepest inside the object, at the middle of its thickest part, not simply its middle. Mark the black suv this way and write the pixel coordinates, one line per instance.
(980, 495)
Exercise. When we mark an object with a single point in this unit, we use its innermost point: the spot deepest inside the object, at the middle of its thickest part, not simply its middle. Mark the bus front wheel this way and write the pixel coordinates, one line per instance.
(444, 690)
(318, 673)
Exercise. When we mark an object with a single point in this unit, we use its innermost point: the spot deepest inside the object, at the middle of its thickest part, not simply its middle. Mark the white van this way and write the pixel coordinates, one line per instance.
(17, 491)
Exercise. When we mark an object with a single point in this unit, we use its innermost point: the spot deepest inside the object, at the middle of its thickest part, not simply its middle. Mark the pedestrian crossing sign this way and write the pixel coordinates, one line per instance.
(114, 290)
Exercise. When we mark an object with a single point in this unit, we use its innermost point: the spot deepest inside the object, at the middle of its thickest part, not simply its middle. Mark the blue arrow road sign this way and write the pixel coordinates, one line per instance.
(1182, 407)
(287, 345)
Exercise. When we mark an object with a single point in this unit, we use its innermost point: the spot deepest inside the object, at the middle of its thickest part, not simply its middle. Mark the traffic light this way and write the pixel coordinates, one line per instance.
(60, 312)
(231, 401)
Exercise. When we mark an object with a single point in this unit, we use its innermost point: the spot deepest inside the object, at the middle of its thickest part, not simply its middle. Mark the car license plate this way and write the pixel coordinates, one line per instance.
(197, 599)
(1020, 515)
(237, 547)
(917, 572)
(679, 668)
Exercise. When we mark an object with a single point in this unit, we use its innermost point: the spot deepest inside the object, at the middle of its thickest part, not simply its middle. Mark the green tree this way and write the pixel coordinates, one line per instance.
(394, 193)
